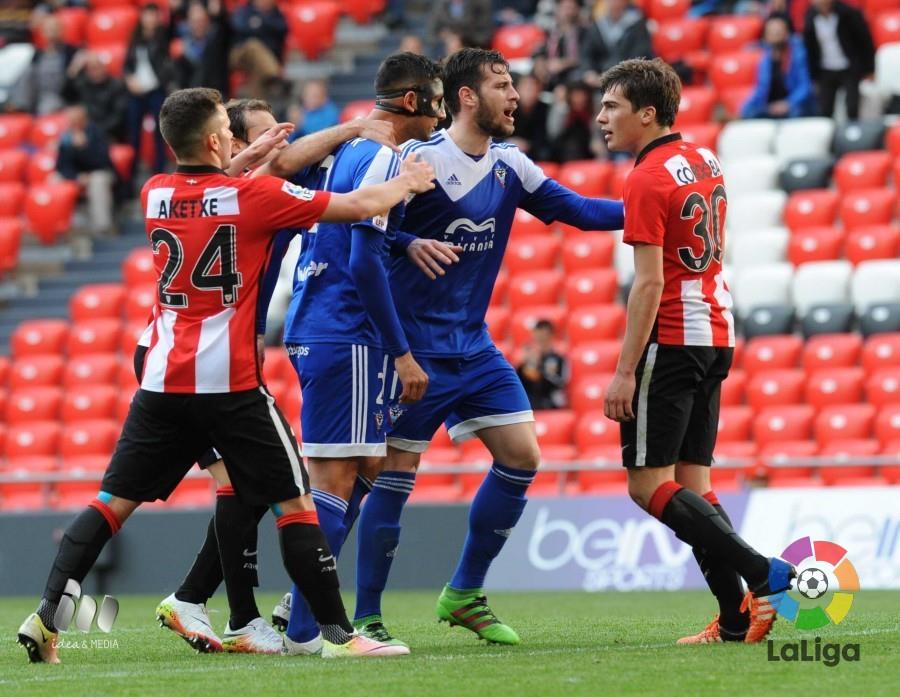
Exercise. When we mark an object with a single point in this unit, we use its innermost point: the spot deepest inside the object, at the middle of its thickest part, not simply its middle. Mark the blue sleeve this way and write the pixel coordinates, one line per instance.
(800, 88)
(372, 286)
(552, 201)
(401, 243)
(270, 279)
(757, 102)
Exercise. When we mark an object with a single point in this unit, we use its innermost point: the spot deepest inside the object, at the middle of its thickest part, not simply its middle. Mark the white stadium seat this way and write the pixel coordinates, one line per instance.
(757, 247)
(753, 175)
(762, 285)
(876, 282)
(761, 209)
(887, 70)
(740, 139)
(821, 282)
(807, 137)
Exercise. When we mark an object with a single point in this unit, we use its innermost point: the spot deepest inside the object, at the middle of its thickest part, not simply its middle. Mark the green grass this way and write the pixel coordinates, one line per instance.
(573, 644)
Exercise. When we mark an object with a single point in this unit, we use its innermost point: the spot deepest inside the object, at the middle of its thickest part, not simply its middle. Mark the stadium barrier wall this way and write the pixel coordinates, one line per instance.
(580, 543)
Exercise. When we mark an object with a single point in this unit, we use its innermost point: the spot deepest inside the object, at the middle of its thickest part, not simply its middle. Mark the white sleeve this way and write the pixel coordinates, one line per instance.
(382, 167)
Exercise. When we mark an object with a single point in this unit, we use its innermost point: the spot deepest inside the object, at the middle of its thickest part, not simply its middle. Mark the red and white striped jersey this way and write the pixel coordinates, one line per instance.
(210, 235)
(675, 199)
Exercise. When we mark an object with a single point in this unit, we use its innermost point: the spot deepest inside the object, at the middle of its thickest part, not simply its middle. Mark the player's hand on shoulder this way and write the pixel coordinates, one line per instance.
(419, 173)
(379, 131)
(619, 396)
(432, 255)
(413, 379)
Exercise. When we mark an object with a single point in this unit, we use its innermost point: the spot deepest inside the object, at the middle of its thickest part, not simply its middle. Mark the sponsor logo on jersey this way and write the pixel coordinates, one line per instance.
(471, 236)
(381, 222)
(453, 180)
(298, 191)
(685, 173)
(500, 173)
(311, 270)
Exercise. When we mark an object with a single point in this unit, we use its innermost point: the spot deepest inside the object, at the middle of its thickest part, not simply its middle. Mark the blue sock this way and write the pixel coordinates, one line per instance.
(496, 509)
(302, 625)
(361, 487)
(378, 535)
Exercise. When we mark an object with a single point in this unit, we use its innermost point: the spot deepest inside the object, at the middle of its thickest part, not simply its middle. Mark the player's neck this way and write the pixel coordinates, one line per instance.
(207, 159)
(469, 138)
(649, 136)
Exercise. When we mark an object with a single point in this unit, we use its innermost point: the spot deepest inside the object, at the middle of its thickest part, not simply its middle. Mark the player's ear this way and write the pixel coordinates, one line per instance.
(648, 115)
(467, 96)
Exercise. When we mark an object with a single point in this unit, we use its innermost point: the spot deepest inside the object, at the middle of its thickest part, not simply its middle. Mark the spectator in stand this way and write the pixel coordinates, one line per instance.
(104, 96)
(544, 372)
(457, 23)
(15, 22)
(84, 158)
(560, 53)
(570, 123)
(783, 87)
(259, 31)
(515, 11)
(39, 89)
(618, 33)
(411, 43)
(148, 74)
(203, 31)
(530, 133)
(841, 52)
(317, 112)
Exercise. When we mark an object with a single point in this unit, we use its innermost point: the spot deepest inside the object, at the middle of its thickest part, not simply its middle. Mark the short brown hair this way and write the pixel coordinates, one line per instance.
(463, 69)
(644, 83)
(184, 117)
(237, 115)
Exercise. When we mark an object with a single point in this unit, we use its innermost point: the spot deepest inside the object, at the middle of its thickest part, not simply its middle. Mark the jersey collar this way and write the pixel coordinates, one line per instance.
(662, 140)
(197, 169)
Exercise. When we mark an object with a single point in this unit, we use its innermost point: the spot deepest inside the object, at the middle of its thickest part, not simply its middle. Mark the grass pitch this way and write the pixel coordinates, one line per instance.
(573, 644)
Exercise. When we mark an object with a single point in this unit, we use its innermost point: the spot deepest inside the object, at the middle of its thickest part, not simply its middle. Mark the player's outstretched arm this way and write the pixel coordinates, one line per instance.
(552, 201)
(415, 177)
(317, 146)
(643, 304)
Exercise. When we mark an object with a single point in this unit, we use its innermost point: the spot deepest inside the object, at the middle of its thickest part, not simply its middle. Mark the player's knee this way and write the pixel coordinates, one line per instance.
(526, 457)
(639, 493)
(122, 508)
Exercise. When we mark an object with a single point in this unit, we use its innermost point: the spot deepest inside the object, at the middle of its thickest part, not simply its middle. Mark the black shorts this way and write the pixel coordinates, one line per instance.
(676, 406)
(165, 434)
(211, 456)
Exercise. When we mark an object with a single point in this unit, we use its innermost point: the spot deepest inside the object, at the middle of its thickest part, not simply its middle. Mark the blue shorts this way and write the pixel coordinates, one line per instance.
(347, 389)
(468, 394)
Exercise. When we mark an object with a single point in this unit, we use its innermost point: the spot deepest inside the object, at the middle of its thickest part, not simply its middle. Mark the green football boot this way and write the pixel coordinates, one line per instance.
(373, 628)
(469, 609)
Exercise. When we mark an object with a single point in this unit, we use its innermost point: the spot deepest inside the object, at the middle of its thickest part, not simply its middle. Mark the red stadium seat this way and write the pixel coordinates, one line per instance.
(92, 437)
(193, 493)
(98, 300)
(35, 371)
(14, 130)
(881, 351)
(734, 388)
(598, 287)
(554, 426)
(34, 439)
(588, 252)
(138, 268)
(112, 55)
(811, 208)
(534, 288)
(593, 357)
(703, 135)
(10, 243)
(123, 401)
(518, 40)
(13, 164)
(28, 465)
(676, 38)
(864, 207)
(526, 224)
(49, 209)
(498, 320)
(532, 253)
(69, 496)
(610, 479)
(94, 336)
(12, 198)
(4, 370)
(129, 336)
(883, 386)
(815, 244)
(595, 429)
(832, 351)
(843, 421)
(550, 169)
(47, 129)
(358, 109)
(73, 21)
(90, 402)
(20, 497)
(667, 9)
(772, 454)
(892, 141)
(501, 287)
(776, 387)
(523, 320)
(33, 404)
(733, 99)
(85, 466)
(731, 70)
(734, 450)
(876, 242)
(362, 11)
(862, 170)
(735, 423)
(122, 156)
(110, 25)
(595, 322)
(139, 302)
(887, 424)
(734, 33)
(277, 364)
(92, 369)
(41, 166)
(312, 26)
(586, 177)
(772, 352)
(886, 27)
(835, 386)
(697, 104)
(441, 439)
(39, 337)
(773, 424)
(587, 394)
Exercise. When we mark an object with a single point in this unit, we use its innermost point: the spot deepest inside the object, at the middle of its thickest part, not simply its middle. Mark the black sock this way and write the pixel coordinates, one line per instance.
(206, 573)
(81, 544)
(725, 584)
(233, 520)
(313, 569)
(696, 522)
(251, 538)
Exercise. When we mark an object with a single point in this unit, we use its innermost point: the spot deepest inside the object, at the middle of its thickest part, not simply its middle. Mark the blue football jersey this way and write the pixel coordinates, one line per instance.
(325, 305)
(472, 205)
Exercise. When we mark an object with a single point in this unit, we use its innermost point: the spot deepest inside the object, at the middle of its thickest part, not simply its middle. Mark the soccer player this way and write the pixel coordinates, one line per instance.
(472, 386)
(678, 344)
(200, 386)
